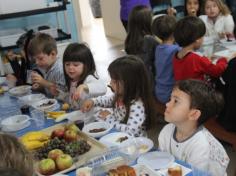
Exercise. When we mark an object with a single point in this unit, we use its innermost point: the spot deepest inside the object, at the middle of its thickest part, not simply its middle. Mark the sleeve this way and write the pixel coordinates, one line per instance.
(105, 101)
(205, 66)
(229, 24)
(96, 86)
(135, 121)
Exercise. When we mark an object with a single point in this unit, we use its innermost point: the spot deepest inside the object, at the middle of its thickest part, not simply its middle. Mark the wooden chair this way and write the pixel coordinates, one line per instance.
(219, 132)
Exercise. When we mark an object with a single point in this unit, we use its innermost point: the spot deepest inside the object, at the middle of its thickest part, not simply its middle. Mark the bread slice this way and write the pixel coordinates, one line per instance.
(175, 171)
(126, 171)
(113, 172)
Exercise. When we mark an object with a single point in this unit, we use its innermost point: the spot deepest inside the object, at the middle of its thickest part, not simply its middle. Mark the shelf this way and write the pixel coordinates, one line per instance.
(61, 36)
(34, 12)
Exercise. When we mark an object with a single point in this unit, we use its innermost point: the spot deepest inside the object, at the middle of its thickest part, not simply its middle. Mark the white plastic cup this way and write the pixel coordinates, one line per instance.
(38, 117)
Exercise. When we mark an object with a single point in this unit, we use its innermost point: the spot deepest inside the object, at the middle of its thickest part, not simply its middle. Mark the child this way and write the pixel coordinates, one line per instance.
(80, 74)
(15, 156)
(164, 77)
(132, 100)
(187, 64)
(192, 7)
(43, 49)
(192, 103)
(219, 23)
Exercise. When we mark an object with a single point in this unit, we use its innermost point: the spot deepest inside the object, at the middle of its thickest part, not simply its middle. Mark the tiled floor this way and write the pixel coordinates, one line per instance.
(105, 50)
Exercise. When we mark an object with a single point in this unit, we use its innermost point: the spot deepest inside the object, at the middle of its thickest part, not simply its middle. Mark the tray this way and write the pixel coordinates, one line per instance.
(96, 148)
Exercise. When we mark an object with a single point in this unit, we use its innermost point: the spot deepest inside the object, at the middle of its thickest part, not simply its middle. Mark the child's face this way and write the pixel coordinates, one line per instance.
(74, 70)
(116, 86)
(211, 9)
(178, 108)
(192, 7)
(45, 61)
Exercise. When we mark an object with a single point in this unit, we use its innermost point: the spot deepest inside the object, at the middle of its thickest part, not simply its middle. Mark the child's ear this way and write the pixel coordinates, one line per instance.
(194, 114)
(53, 53)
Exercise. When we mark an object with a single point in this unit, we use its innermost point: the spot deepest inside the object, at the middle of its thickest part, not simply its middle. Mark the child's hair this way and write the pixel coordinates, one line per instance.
(164, 26)
(202, 97)
(15, 156)
(199, 10)
(188, 30)
(42, 43)
(139, 25)
(79, 52)
(221, 5)
(131, 72)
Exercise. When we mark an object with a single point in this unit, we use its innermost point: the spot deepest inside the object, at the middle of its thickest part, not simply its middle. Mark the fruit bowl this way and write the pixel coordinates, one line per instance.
(15, 123)
(97, 129)
(45, 104)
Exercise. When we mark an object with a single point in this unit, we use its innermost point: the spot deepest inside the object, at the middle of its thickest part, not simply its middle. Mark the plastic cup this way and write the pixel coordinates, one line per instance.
(38, 117)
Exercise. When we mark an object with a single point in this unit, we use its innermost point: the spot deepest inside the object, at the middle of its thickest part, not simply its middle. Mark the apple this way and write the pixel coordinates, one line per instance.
(53, 154)
(64, 161)
(47, 166)
(58, 133)
(70, 135)
(72, 127)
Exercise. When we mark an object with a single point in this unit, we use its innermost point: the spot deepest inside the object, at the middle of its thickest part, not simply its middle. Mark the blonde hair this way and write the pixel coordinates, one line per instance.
(14, 155)
(221, 5)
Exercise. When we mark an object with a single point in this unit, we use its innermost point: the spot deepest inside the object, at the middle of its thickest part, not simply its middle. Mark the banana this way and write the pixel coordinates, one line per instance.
(32, 145)
(55, 114)
(35, 136)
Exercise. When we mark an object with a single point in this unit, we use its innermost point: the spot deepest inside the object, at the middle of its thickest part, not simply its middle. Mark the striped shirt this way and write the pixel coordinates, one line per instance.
(56, 75)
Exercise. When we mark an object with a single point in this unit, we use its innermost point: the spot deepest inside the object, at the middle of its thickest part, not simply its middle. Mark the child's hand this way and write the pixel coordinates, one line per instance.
(11, 77)
(87, 105)
(36, 78)
(171, 11)
(103, 114)
(53, 90)
(80, 91)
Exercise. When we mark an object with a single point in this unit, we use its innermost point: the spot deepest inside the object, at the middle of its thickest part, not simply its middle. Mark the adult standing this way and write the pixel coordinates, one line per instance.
(126, 6)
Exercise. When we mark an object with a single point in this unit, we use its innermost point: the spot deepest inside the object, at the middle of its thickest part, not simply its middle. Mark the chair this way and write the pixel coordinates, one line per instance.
(219, 132)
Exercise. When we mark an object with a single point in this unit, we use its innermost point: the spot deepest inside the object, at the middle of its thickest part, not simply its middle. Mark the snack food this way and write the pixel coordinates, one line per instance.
(97, 130)
(122, 170)
(122, 139)
(175, 171)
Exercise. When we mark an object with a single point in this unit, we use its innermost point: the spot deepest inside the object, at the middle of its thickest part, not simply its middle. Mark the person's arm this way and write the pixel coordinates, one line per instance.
(135, 121)
(229, 24)
(105, 101)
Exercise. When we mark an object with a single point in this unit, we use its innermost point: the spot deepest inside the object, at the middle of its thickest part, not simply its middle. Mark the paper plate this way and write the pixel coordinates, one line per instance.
(114, 139)
(156, 160)
(20, 90)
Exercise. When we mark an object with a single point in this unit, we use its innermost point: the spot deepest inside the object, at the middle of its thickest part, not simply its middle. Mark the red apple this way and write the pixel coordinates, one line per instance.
(58, 133)
(53, 154)
(70, 135)
(47, 166)
(64, 161)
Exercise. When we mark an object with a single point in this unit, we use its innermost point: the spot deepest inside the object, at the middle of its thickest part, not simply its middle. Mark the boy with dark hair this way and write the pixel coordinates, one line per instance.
(189, 34)
(192, 103)
(43, 49)
(163, 27)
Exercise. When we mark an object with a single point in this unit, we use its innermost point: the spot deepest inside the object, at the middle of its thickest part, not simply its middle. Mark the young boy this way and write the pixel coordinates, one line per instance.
(188, 64)
(163, 27)
(192, 103)
(43, 49)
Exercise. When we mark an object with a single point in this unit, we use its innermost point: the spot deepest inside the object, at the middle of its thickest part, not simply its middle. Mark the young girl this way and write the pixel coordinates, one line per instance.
(131, 102)
(15, 156)
(192, 103)
(219, 23)
(80, 74)
(192, 7)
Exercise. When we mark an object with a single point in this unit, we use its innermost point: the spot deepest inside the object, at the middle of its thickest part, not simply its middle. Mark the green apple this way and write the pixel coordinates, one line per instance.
(70, 135)
(64, 161)
(72, 127)
(47, 166)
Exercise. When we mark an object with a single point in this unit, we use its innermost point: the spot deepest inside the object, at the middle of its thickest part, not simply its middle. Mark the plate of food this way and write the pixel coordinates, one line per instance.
(156, 160)
(45, 104)
(20, 90)
(97, 129)
(114, 139)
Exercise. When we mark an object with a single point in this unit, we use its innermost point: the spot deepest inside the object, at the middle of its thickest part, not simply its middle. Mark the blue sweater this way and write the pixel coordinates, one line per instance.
(164, 79)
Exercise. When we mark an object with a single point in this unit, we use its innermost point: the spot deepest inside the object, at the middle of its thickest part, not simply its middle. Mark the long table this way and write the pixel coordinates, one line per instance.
(12, 103)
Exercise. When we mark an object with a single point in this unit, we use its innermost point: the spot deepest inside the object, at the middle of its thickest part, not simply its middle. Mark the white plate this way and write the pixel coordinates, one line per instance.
(15, 123)
(156, 160)
(39, 105)
(144, 144)
(20, 90)
(97, 125)
(32, 98)
(112, 139)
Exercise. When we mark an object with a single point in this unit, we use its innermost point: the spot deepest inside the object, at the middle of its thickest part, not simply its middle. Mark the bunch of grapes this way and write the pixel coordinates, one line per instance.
(77, 148)
(54, 143)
